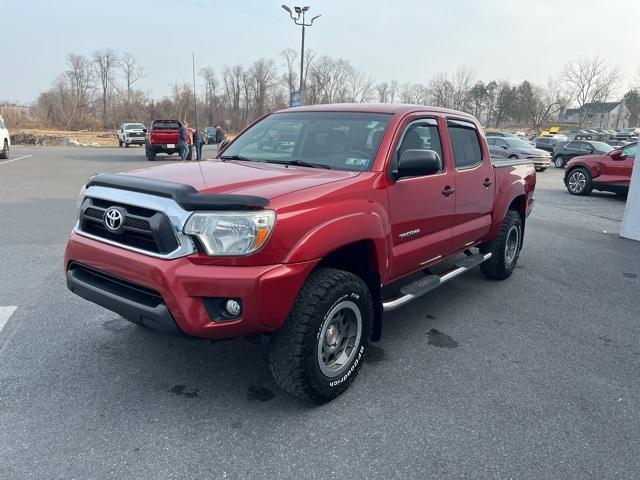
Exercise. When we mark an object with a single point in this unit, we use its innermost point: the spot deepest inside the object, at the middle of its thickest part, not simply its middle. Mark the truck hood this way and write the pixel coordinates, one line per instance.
(266, 180)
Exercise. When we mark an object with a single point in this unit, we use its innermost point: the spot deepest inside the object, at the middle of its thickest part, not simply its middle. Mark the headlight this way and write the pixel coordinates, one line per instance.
(81, 196)
(231, 233)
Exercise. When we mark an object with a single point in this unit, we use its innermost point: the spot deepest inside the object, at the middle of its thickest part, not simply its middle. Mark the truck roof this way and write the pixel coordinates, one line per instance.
(391, 108)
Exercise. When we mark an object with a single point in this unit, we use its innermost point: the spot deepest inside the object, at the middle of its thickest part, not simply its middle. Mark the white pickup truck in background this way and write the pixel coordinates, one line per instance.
(5, 140)
(131, 134)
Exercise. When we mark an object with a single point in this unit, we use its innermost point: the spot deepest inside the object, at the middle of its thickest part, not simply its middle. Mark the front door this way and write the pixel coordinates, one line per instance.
(421, 208)
(618, 172)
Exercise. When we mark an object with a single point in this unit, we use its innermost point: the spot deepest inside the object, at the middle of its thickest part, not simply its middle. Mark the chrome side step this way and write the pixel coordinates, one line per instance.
(430, 282)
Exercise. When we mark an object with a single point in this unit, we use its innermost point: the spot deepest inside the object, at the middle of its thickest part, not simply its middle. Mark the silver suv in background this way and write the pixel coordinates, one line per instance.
(131, 134)
(5, 140)
(507, 147)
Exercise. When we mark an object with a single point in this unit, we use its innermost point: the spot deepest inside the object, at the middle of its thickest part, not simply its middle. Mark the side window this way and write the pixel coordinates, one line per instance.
(421, 135)
(574, 145)
(501, 143)
(585, 147)
(491, 141)
(466, 144)
(630, 151)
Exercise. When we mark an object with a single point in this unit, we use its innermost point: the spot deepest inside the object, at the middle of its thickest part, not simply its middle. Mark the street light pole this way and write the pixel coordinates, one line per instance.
(297, 17)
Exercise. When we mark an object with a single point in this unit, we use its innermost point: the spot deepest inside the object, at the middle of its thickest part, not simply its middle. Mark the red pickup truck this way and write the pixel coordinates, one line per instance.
(366, 208)
(163, 138)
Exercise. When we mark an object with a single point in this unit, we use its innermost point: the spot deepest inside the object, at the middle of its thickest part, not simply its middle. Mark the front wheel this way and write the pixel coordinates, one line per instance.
(541, 169)
(4, 153)
(579, 182)
(318, 352)
(504, 249)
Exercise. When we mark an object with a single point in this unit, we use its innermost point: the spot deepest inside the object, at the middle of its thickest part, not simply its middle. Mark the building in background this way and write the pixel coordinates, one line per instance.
(607, 115)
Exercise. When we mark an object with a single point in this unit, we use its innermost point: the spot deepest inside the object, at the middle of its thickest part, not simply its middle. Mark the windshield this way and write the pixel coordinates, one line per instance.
(337, 140)
(515, 143)
(602, 147)
(133, 126)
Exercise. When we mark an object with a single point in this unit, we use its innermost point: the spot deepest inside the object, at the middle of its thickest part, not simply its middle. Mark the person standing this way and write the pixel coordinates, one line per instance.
(198, 141)
(220, 135)
(183, 141)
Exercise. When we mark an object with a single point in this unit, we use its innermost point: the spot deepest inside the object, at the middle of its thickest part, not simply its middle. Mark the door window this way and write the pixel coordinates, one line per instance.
(630, 151)
(467, 152)
(421, 135)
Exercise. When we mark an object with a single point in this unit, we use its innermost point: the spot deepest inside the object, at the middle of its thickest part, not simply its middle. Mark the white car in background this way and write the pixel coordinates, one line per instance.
(5, 140)
(131, 134)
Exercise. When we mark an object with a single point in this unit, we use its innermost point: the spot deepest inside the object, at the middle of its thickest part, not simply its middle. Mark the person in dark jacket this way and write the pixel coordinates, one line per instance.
(183, 141)
(220, 135)
(198, 140)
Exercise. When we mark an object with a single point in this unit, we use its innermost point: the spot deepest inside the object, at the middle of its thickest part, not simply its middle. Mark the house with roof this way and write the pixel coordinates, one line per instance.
(607, 115)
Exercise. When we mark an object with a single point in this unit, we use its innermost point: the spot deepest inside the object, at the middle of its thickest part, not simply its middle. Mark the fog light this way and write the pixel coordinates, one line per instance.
(233, 308)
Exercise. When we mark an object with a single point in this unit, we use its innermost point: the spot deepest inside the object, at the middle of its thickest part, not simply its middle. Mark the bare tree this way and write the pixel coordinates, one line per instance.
(545, 103)
(590, 80)
(105, 62)
(441, 90)
(232, 79)
(462, 84)
(289, 56)
(80, 79)
(211, 97)
(263, 76)
(132, 72)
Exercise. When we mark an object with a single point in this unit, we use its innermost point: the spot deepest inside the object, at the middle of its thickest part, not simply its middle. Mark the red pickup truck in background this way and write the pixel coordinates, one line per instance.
(366, 208)
(162, 137)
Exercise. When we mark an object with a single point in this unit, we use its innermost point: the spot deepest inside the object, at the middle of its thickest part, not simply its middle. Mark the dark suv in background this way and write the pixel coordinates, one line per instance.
(547, 143)
(568, 150)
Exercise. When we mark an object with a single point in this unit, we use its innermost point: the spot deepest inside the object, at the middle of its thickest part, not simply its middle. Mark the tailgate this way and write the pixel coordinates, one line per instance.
(163, 136)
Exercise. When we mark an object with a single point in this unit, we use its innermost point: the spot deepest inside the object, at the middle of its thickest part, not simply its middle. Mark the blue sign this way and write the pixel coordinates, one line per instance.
(296, 98)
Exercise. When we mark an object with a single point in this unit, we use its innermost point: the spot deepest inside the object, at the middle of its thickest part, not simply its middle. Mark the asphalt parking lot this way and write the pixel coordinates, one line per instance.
(535, 377)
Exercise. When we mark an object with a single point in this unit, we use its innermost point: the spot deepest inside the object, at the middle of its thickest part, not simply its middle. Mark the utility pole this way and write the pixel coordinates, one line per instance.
(299, 19)
(195, 101)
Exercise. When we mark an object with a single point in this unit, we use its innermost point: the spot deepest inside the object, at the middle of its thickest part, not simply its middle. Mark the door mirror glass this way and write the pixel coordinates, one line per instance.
(417, 163)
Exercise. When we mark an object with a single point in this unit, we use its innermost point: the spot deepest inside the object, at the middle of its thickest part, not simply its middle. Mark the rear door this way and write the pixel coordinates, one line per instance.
(475, 188)
(497, 147)
(420, 213)
(572, 149)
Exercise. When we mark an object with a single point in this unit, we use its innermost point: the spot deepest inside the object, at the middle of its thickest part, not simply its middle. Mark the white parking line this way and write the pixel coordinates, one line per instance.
(16, 159)
(5, 315)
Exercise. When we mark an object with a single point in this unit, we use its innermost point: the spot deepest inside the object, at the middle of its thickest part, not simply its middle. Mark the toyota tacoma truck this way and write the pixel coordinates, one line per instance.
(163, 138)
(307, 245)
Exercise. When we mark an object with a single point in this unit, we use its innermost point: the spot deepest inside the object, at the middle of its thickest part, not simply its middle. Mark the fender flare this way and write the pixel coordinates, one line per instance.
(507, 193)
(339, 232)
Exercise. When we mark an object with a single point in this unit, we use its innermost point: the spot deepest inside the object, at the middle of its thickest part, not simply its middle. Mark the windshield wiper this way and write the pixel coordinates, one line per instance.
(236, 157)
(302, 163)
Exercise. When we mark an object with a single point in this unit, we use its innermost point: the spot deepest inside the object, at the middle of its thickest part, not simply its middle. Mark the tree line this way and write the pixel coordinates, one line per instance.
(101, 91)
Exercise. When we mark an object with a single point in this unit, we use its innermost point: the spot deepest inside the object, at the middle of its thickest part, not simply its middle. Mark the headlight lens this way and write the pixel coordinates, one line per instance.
(231, 233)
(81, 197)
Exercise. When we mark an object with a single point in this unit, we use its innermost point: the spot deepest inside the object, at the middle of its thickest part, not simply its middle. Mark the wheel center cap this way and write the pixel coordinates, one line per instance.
(332, 336)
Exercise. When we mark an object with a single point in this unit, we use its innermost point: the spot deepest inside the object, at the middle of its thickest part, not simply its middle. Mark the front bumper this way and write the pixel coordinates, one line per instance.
(183, 289)
(134, 140)
(541, 162)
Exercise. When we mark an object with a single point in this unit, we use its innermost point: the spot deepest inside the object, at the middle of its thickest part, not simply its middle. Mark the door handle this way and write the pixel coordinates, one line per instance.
(448, 191)
(487, 183)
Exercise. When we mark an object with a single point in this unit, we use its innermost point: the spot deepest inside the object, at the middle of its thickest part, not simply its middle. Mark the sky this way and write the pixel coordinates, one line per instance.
(407, 40)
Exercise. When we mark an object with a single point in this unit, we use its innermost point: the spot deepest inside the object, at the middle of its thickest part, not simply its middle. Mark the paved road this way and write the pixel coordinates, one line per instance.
(535, 377)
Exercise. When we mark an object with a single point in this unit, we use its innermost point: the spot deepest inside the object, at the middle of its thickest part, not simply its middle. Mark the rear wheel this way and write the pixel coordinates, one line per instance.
(504, 249)
(126, 145)
(318, 352)
(119, 143)
(559, 161)
(579, 182)
(541, 169)
(4, 153)
(190, 153)
(513, 157)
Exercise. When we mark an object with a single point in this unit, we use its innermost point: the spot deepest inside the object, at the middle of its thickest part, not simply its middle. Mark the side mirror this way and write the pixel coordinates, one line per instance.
(504, 147)
(616, 155)
(222, 145)
(416, 163)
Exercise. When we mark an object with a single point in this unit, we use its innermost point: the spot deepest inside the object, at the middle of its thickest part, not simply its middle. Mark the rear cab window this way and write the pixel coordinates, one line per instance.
(165, 125)
(467, 151)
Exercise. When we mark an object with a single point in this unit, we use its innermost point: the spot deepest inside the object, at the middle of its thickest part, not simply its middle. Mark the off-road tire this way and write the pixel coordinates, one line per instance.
(581, 189)
(4, 153)
(293, 356)
(499, 266)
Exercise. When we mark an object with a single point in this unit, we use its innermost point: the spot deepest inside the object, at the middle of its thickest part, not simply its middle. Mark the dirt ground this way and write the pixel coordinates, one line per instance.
(103, 139)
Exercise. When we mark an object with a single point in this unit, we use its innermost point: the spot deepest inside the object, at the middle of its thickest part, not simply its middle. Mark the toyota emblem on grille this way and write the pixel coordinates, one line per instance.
(113, 219)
